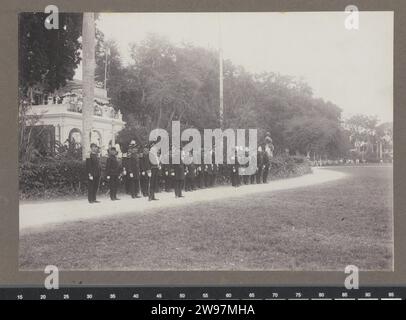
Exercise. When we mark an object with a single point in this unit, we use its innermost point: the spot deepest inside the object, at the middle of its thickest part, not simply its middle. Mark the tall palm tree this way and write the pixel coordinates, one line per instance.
(88, 65)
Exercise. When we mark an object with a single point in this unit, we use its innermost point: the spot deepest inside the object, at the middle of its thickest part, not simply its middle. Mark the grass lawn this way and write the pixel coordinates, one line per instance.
(322, 227)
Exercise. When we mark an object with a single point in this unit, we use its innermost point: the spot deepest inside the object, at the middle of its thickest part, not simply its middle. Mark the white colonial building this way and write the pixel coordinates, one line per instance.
(63, 111)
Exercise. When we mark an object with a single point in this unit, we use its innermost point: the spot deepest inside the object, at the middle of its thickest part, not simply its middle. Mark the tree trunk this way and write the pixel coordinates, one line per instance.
(88, 45)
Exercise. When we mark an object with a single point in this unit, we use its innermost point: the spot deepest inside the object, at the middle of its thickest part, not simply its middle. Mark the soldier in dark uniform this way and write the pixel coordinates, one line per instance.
(200, 172)
(253, 176)
(260, 165)
(246, 177)
(168, 178)
(133, 170)
(113, 173)
(190, 177)
(208, 170)
(267, 155)
(266, 162)
(145, 167)
(206, 175)
(93, 170)
(179, 176)
(215, 170)
(199, 175)
(159, 178)
(235, 177)
(153, 173)
(124, 162)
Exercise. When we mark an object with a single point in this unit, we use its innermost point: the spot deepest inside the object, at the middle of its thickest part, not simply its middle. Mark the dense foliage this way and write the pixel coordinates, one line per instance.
(48, 57)
(51, 178)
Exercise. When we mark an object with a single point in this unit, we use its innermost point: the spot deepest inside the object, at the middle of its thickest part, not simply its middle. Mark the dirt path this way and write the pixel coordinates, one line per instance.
(36, 215)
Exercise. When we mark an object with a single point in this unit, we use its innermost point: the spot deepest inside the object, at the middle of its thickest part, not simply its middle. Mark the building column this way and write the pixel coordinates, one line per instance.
(58, 132)
(63, 131)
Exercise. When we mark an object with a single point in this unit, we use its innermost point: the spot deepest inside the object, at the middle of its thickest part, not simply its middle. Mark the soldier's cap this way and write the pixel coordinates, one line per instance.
(132, 143)
(93, 145)
(113, 149)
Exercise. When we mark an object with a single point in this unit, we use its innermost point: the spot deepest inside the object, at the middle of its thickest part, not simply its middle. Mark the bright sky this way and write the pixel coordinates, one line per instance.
(351, 68)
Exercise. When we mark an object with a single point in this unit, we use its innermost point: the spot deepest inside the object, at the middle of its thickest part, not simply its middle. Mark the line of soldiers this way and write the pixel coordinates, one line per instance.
(142, 177)
(240, 177)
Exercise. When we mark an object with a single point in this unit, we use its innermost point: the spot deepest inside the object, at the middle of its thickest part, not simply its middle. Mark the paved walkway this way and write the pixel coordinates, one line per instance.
(35, 215)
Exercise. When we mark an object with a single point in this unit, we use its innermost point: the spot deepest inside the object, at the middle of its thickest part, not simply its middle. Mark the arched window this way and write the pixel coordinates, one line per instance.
(75, 137)
(96, 138)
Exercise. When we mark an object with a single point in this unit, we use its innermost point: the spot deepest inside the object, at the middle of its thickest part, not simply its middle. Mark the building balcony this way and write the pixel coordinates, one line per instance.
(75, 110)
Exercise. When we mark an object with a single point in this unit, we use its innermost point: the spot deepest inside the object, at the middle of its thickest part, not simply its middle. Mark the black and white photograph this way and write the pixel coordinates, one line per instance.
(206, 141)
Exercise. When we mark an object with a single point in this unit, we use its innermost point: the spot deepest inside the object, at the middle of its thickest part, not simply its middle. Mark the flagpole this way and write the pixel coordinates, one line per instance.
(221, 107)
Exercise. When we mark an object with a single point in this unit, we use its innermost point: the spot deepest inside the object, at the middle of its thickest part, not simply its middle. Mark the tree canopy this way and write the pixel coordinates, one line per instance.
(166, 82)
(48, 57)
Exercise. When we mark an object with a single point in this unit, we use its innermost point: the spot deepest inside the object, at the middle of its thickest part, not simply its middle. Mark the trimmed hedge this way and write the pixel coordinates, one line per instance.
(285, 167)
(52, 178)
(62, 178)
